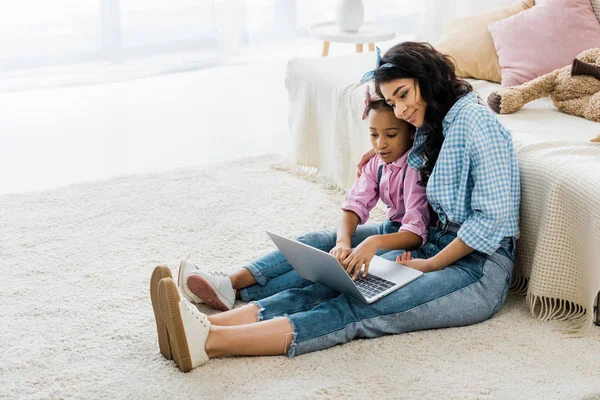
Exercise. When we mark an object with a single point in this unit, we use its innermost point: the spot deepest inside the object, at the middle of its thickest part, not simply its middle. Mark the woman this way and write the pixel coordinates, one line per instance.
(467, 162)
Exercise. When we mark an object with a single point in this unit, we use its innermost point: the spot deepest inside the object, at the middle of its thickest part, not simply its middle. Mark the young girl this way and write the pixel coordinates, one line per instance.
(386, 176)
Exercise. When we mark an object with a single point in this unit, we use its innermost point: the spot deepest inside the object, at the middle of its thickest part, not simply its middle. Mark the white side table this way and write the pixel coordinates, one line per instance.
(368, 33)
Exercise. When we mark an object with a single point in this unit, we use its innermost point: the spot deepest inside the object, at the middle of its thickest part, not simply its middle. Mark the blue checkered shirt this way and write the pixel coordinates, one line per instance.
(475, 181)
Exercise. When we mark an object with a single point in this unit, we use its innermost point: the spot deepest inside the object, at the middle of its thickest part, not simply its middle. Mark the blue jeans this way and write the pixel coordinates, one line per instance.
(274, 274)
(466, 292)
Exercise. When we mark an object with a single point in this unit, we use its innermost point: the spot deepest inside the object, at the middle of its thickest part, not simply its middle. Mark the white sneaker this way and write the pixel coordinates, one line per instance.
(213, 288)
(187, 327)
(161, 272)
(185, 269)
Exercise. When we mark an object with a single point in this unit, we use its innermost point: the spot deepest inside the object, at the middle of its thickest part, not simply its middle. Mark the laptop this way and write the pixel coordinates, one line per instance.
(318, 266)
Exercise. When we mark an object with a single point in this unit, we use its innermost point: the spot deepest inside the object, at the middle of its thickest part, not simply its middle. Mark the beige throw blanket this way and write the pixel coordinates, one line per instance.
(559, 248)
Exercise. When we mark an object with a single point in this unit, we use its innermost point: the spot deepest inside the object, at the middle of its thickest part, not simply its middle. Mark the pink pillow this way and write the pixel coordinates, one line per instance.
(543, 38)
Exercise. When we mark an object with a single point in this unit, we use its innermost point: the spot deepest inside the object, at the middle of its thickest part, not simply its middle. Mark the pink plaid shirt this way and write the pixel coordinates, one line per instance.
(410, 209)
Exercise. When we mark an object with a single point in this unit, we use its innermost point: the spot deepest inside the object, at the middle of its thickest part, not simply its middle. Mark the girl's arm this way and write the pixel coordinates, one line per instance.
(363, 195)
(416, 209)
(343, 243)
(412, 233)
(399, 240)
(364, 252)
(347, 228)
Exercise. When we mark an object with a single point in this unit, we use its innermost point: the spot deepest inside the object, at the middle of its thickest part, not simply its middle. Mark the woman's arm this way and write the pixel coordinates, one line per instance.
(491, 202)
(495, 178)
(363, 160)
(456, 250)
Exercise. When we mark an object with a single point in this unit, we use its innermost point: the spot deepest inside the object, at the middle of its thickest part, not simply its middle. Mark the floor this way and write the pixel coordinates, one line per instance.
(59, 136)
(76, 320)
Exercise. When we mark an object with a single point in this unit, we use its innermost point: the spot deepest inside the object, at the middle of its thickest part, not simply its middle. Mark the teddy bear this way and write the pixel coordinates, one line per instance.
(574, 89)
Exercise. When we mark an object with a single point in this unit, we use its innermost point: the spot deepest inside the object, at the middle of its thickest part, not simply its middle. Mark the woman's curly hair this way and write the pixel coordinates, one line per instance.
(440, 89)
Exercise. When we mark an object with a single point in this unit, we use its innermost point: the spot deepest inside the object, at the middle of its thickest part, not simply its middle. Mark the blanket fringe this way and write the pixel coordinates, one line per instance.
(518, 285)
(548, 308)
(312, 174)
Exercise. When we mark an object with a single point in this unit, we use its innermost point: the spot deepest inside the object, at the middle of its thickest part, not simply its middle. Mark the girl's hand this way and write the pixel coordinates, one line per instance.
(362, 255)
(421, 264)
(341, 251)
(363, 160)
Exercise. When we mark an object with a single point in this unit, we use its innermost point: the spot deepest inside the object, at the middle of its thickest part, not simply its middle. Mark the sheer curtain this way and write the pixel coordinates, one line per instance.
(66, 42)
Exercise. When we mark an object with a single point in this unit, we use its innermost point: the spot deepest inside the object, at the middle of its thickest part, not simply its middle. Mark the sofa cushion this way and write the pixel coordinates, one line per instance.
(468, 41)
(544, 38)
(540, 121)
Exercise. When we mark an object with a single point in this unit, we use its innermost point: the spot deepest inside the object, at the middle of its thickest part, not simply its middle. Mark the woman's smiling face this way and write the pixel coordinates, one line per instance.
(404, 96)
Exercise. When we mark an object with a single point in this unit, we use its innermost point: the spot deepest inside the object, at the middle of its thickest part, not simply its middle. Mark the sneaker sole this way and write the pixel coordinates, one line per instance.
(168, 299)
(181, 285)
(159, 273)
(206, 292)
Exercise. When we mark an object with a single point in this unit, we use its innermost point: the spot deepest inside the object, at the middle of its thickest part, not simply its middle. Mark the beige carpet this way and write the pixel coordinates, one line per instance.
(76, 320)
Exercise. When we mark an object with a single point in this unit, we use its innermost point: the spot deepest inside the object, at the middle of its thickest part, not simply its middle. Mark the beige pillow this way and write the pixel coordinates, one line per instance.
(468, 41)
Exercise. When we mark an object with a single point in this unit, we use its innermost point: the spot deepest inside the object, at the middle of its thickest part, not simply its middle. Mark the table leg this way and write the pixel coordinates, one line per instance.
(597, 311)
(371, 46)
(325, 49)
(359, 47)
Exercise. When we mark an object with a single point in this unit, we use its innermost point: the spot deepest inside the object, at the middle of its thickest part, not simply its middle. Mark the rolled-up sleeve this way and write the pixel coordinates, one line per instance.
(489, 158)
(416, 216)
(364, 193)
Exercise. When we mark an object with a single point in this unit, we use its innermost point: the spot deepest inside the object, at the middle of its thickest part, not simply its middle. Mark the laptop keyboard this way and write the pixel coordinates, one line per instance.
(372, 285)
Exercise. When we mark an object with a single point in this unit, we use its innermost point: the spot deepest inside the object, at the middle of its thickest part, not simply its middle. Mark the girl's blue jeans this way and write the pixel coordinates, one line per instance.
(469, 291)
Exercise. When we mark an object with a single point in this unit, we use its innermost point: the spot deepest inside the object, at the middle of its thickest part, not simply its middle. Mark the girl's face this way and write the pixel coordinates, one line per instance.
(404, 96)
(390, 136)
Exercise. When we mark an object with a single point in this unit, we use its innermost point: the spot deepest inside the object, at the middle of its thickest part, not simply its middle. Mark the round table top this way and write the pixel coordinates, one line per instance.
(368, 33)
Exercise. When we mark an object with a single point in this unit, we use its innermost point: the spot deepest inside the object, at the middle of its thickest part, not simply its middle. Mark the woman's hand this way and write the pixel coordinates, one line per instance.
(362, 255)
(421, 264)
(363, 160)
(341, 251)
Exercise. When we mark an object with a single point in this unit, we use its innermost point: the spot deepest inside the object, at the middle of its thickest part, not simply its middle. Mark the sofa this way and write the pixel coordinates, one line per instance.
(558, 255)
